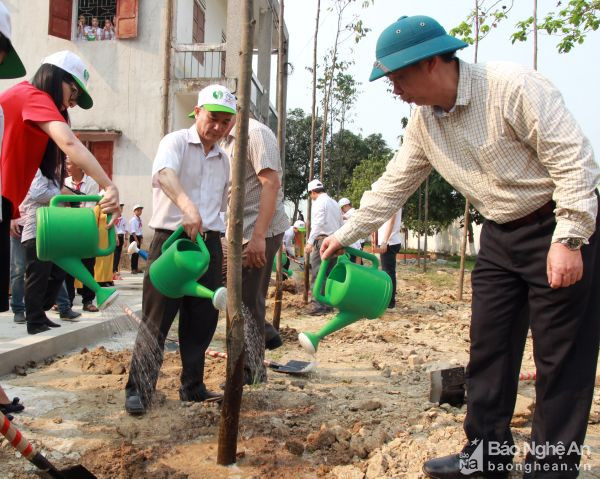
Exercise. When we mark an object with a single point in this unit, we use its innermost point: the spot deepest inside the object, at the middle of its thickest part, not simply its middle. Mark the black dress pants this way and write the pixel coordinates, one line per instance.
(197, 324)
(87, 295)
(135, 256)
(5, 253)
(388, 264)
(43, 280)
(511, 293)
(118, 250)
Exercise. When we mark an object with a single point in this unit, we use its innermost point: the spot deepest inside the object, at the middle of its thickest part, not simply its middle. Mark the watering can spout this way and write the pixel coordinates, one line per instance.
(310, 341)
(74, 266)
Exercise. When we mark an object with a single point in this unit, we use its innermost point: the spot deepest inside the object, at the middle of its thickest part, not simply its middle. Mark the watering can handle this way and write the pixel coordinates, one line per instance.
(73, 199)
(177, 233)
(363, 254)
(78, 199)
(323, 268)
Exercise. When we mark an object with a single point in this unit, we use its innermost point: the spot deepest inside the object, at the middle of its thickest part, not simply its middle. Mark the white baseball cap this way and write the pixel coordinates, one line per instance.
(73, 65)
(299, 225)
(314, 184)
(12, 66)
(343, 202)
(135, 207)
(216, 98)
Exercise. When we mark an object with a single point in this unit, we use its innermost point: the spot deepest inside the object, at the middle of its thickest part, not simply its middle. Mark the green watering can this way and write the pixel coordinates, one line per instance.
(67, 235)
(289, 272)
(176, 271)
(357, 291)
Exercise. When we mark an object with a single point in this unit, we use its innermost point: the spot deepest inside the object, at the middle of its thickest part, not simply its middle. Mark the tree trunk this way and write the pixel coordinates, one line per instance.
(311, 174)
(281, 117)
(419, 228)
(463, 244)
(426, 229)
(230, 412)
(463, 247)
(535, 35)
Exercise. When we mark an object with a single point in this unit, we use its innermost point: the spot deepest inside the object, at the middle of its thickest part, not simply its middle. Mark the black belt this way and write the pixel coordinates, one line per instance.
(205, 236)
(541, 213)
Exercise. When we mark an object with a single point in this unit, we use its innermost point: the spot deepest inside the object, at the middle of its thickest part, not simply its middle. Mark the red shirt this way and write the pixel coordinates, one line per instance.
(24, 144)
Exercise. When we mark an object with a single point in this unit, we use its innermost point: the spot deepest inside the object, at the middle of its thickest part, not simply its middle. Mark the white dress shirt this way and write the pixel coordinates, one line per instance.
(120, 226)
(88, 186)
(288, 241)
(203, 177)
(326, 217)
(135, 226)
(395, 236)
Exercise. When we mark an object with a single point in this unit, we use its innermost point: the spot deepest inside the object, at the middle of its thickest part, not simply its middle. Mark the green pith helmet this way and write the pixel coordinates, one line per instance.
(409, 40)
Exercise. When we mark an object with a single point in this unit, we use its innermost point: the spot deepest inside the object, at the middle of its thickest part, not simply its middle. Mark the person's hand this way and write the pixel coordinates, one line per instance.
(330, 247)
(118, 241)
(15, 232)
(254, 253)
(110, 201)
(308, 248)
(564, 267)
(192, 221)
(383, 247)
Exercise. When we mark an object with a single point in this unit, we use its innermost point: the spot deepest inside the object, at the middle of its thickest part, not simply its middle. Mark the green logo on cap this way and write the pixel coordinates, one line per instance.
(217, 94)
(86, 75)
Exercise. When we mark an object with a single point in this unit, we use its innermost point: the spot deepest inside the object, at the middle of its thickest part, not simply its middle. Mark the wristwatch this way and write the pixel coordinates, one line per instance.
(572, 243)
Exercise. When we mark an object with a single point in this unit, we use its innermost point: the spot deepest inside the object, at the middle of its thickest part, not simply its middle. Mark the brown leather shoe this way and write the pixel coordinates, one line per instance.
(90, 308)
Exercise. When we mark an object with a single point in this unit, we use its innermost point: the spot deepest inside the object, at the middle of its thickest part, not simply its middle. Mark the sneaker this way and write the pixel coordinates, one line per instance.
(90, 308)
(19, 318)
(70, 315)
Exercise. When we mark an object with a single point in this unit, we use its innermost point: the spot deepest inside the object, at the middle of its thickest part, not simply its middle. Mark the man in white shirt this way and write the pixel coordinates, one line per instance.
(389, 242)
(326, 218)
(136, 234)
(120, 230)
(81, 184)
(190, 179)
(347, 211)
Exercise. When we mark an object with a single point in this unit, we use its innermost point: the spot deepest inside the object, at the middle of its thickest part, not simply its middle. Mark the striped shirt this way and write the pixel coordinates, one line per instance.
(263, 153)
(509, 145)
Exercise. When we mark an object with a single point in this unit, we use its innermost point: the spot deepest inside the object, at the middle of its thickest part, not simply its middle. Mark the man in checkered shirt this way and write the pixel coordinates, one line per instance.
(265, 221)
(502, 136)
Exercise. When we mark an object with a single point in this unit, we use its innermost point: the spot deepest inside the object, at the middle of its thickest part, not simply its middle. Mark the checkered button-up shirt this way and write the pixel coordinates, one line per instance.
(263, 153)
(509, 145)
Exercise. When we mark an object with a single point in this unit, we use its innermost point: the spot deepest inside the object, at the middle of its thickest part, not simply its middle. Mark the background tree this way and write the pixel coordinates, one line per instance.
(571, 24)
(297, 148)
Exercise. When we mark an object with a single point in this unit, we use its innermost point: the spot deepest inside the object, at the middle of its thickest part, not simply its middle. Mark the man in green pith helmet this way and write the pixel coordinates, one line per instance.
(501, 134)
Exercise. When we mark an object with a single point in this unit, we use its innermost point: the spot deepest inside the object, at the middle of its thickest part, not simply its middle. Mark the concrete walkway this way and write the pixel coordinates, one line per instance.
(17, 347)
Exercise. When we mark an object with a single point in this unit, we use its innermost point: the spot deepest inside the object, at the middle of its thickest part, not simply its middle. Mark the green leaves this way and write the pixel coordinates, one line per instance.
(571, 24)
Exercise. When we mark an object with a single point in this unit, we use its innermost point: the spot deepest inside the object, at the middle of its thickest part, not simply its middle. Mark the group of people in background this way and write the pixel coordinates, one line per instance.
(92, 31)
(36, 140)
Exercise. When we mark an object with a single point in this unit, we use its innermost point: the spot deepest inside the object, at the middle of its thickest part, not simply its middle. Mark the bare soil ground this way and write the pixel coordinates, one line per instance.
(364, 413)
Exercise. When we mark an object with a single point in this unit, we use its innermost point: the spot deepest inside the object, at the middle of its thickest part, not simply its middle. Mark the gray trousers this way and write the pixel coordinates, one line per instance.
(255, 283)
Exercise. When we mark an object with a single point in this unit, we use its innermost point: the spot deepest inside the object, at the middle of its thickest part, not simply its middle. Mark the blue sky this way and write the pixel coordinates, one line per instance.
(575, 74)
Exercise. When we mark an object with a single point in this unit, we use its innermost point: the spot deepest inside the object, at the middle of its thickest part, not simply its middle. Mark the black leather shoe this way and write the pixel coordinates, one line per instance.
(273, 343)
(51, 323)
(37, 328)
(448, 467)
(134, 405)
(200, 396)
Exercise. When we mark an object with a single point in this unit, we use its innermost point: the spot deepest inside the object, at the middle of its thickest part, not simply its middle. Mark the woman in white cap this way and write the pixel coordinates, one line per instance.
(37, 134)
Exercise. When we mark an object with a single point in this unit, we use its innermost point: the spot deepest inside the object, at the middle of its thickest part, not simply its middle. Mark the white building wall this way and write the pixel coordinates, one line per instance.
(126, 84)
